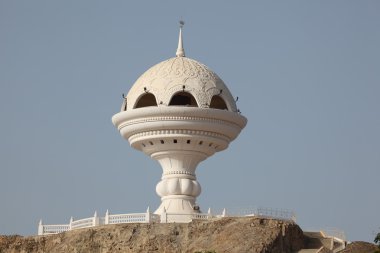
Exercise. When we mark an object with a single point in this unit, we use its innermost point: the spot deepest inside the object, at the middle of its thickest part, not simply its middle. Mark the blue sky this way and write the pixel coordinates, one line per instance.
(307, 74)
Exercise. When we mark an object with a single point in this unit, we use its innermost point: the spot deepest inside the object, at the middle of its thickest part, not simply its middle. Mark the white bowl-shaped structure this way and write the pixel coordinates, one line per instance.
(179, 112)
(179, 138)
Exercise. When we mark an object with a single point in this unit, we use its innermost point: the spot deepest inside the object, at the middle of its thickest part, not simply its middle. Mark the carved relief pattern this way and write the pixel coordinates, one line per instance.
(168, 77)
(179, 131)
(176, 118)
(178, 172)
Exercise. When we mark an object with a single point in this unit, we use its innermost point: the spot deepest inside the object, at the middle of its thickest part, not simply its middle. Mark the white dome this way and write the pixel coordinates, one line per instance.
(176, 75)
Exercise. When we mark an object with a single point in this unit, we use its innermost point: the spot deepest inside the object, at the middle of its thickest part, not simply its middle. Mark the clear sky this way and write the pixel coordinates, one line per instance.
(307, 74)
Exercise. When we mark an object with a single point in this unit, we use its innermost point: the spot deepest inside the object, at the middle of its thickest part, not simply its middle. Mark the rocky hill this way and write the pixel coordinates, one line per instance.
(360, 247)
(221, 235)
(248, 234)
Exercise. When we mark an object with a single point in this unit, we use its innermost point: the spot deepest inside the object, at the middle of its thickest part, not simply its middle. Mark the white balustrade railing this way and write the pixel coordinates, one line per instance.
(276, 213)
(83, 223)
(164, 217)
(264, 212)
(183, 217)
(201, 216)
(127, 218)
(54, 229)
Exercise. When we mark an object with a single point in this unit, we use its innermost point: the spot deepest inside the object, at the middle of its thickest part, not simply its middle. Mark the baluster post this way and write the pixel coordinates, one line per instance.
(164, 216)
(95, 220)
(40, 228)
(147, 215)
(224, 212)
(209, 215)
(107, 218)
(71, 222)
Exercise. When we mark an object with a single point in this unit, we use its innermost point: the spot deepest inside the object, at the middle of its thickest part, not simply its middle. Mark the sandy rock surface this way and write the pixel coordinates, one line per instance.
(248, 234)
(360, 247)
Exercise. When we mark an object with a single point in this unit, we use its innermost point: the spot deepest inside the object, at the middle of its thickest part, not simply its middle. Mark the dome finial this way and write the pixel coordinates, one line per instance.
(180, 51)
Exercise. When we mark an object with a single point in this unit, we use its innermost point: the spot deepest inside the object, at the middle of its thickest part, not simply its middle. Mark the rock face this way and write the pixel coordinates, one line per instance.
(360, 247)
(248, 234)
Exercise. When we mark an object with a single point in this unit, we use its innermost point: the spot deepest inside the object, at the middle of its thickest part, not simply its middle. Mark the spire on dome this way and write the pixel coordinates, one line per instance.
(180, 51)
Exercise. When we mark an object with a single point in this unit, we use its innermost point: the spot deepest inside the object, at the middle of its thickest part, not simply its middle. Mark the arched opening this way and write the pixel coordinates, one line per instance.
(218, 103)
(145, 100)
(183, 98)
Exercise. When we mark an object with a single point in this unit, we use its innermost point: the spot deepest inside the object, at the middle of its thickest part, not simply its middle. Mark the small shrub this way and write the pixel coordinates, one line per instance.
(377, 241)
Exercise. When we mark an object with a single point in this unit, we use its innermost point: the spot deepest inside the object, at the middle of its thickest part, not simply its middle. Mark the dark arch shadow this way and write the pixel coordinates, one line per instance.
(218, 103)
(183, 99)
(145, 100)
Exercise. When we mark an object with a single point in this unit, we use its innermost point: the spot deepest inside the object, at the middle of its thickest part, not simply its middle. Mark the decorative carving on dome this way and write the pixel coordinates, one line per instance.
(168, 77)
(182, 68)
(200, 96)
